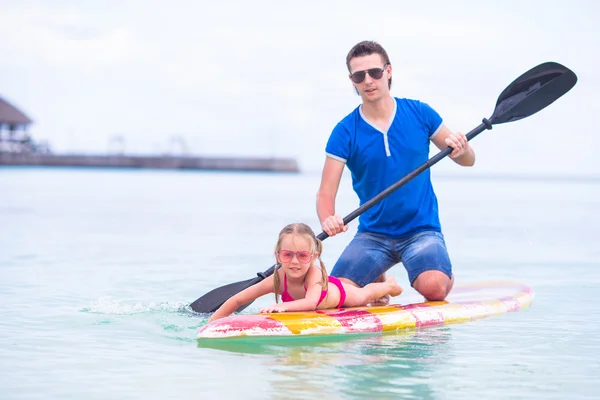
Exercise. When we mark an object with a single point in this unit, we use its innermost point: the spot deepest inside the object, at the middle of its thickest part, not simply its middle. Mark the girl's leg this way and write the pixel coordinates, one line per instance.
(357, 296)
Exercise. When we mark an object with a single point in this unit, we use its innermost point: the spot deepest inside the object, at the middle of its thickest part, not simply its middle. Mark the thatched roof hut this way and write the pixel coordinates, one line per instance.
(12, 116)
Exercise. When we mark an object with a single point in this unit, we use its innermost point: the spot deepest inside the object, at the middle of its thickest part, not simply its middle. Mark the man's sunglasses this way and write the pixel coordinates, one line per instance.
(303, 256)
(375, 73)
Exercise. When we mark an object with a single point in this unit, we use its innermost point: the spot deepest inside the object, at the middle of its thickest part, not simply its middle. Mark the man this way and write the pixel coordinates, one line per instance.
(381, 141)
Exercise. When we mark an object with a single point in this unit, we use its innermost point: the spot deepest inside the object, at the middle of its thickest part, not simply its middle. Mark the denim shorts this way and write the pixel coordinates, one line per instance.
(369, 255)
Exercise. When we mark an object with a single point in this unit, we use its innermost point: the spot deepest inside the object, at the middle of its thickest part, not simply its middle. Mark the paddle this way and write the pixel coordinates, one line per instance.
(529, 93)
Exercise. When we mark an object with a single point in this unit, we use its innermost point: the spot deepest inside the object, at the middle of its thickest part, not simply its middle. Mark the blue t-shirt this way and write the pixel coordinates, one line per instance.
(379, 159)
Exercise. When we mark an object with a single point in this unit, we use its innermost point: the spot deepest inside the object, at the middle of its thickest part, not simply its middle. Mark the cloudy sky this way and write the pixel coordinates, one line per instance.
(268, 77)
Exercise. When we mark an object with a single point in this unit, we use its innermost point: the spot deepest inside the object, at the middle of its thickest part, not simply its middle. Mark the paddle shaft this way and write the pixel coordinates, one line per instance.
(485, 124)
(232, 289)
(426, 165)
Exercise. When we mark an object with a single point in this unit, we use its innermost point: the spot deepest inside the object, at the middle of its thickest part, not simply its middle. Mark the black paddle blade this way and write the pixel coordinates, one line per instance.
(533, 91)
(212, 300)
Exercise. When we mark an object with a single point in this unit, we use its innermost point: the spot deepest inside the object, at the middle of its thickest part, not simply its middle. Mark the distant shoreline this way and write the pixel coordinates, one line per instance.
(264, 164)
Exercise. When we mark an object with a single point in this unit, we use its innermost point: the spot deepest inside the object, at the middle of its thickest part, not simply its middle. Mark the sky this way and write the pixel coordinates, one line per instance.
(268, 78)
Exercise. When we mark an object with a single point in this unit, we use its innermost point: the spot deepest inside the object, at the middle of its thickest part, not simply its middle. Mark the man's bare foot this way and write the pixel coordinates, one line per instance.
(396, 290)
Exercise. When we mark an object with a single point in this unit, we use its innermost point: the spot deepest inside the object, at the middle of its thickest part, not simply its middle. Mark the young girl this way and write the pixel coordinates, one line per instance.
(303, 285)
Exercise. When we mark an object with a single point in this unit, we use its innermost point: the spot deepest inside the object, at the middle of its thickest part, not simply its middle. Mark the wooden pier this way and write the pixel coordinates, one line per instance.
(157, 162)
(17, 148)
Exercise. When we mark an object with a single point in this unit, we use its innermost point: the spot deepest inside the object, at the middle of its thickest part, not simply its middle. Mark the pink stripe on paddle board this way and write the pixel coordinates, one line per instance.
(425, 314)
(240, 324)
(510, 303)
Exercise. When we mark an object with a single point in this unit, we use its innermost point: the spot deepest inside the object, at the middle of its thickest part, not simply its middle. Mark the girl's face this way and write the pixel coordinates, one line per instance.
(296, 255)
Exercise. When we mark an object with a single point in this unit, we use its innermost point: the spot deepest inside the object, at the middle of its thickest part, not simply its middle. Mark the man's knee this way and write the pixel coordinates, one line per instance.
(434, 291)
(433, 285)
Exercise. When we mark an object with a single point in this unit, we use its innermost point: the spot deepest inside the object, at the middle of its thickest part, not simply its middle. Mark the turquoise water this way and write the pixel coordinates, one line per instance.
(97, 268)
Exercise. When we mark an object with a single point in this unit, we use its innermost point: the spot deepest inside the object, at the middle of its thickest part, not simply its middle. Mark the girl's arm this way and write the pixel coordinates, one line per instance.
(245, 296)
(309, 302)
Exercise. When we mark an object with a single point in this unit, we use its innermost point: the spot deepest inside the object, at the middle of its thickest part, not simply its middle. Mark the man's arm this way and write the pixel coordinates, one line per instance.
(330, 182)
(463, 154)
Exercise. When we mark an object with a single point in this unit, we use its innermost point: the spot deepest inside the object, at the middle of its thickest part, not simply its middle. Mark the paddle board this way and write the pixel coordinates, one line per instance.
(465, 303)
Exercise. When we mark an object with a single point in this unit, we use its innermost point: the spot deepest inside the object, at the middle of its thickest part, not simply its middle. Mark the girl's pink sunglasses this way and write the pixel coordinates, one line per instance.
(303, 256)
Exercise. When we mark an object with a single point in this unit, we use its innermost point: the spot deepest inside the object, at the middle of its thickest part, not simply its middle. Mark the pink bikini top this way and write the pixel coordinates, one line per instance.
(285, 295)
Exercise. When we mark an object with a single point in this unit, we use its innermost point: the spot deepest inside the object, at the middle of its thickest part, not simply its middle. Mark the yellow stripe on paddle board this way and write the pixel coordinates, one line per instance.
(300, 323)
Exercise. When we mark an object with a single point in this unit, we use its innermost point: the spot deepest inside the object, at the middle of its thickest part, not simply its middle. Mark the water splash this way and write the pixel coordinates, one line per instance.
(112, 306)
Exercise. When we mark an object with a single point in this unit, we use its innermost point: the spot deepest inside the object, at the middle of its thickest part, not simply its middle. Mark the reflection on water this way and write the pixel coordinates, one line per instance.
(361, 366)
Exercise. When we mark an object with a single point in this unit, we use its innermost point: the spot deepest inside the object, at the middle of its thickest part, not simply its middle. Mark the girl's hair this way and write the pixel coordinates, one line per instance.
(299, 229)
